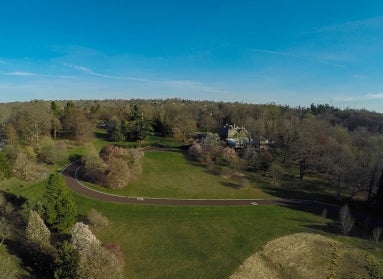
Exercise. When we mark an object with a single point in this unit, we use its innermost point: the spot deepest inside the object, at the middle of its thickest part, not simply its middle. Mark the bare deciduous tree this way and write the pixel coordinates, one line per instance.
(77, 123)
(376, 233)
(4, 230)
(346, 219)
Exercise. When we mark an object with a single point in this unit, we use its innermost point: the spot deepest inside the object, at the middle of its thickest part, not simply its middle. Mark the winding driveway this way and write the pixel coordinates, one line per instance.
(70, 176)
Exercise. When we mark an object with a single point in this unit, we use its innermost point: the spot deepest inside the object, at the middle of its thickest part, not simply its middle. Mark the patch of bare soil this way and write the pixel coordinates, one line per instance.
(303, 255)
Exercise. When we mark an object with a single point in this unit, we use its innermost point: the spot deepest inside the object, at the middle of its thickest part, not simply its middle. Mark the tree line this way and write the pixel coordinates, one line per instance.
(344, 146)
(54, 243)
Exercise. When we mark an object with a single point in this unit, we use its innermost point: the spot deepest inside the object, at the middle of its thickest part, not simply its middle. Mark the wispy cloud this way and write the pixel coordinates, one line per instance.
(376, 96)
(279, 53)
(22, 74)
(332, 58)
(196, 86)
(320, 58)
(366, 97)
(353, 26)
(25, 74)
(184, 85)
(89, 71)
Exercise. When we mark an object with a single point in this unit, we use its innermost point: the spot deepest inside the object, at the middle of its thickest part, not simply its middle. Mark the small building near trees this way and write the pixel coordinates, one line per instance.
(235, 136)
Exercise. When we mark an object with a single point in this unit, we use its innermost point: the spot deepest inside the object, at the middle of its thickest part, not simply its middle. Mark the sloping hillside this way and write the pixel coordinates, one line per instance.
(304, 255)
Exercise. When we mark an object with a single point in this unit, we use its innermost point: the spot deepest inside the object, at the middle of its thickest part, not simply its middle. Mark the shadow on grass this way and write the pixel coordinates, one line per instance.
(15, 200)
(231, 185)
(329, 228)
(289, 191)
(365, 221)
(102, 135)
(35, 260)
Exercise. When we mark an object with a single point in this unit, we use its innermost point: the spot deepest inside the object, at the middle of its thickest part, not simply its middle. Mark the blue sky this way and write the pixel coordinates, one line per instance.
(287, 52)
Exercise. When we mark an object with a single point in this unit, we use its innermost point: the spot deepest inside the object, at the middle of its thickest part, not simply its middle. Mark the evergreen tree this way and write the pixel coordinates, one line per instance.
(66, 263)
(5, 168)
(60, 209)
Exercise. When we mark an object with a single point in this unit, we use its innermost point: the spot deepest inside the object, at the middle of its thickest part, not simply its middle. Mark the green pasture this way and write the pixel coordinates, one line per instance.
(171, 175)
(193, 242)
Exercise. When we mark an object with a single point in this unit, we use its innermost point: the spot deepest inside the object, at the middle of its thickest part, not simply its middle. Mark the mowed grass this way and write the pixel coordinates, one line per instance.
(190, 242)
(193, 242)
(170, 175)
(187, 242)
(25, 189)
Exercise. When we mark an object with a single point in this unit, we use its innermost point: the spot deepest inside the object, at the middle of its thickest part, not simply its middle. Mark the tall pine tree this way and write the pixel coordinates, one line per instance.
(5, 168)
(60, 209)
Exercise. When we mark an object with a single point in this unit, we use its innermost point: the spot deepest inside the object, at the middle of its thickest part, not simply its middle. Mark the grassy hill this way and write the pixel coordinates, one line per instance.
(306, 255)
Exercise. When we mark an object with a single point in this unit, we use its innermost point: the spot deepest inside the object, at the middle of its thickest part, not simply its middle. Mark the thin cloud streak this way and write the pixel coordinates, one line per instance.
(312, 58)
(89, 71)
(195, 85)
(351, 26)
(184, 84)
(21, 74)
(376, 96)
(279, 53)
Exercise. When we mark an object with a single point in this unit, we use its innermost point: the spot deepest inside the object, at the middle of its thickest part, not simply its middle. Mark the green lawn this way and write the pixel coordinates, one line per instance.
(189, 242)
(29, 190)
(171, 175)
(193, 242)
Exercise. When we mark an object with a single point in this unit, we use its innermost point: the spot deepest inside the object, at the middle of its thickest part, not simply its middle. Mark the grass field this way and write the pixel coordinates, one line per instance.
(171, 175)
(193, 242)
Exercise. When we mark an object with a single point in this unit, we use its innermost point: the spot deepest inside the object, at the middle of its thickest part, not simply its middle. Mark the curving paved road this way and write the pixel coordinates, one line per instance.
(70, 177)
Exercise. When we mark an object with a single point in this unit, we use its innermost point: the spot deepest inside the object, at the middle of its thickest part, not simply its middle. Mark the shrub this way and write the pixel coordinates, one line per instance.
(374, 266)
(51, 152)
(27, 169)
(114, 166)
(95, 218)
(195, 151)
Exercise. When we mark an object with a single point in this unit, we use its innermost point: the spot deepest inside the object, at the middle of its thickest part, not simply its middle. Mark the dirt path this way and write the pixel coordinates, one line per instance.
(71, 181)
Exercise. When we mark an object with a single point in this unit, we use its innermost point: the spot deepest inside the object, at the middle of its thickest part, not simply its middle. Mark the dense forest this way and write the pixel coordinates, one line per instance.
(342, 146)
